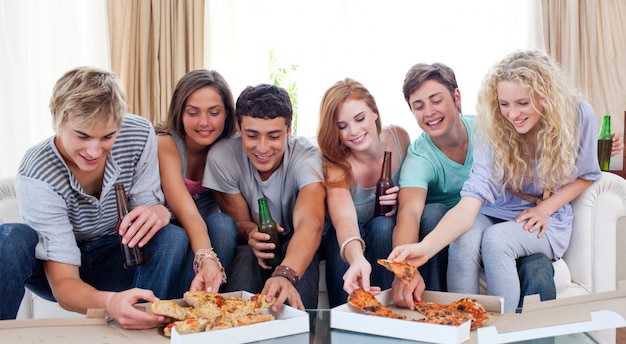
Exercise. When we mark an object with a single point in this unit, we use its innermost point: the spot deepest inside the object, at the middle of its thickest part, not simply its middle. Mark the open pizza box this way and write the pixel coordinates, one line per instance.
(346, 317)
(577, 314)
(95, 329)
(289, 321)
(588, 313)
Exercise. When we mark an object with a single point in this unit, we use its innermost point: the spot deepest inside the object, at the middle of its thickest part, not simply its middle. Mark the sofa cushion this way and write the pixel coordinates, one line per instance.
(9, 209)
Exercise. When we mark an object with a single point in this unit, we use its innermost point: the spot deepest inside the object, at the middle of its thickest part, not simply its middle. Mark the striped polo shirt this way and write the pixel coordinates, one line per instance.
(54, 204)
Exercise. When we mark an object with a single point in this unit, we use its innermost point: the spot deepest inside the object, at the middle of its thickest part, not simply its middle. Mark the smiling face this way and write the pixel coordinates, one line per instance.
(85, 148)
(518, 108)
(434, 108)
(203, 117)
(264, 141)
(357, 124)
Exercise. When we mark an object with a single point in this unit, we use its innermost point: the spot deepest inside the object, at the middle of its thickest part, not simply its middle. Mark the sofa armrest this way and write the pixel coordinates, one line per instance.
(591, 255)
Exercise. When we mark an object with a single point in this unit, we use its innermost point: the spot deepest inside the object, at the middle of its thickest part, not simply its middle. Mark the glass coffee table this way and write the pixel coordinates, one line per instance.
(321, 333)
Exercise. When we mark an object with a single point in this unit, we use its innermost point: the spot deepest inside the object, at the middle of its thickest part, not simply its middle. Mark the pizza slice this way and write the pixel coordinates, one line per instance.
(453, 314)
(440, 314)
(366, 302)
(171, 309)
(476, 311)
(403, 271)
(250, 319)
(199, 299)
(187, 326)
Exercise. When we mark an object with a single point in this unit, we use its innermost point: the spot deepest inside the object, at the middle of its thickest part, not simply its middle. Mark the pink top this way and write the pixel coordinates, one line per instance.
(194, 186)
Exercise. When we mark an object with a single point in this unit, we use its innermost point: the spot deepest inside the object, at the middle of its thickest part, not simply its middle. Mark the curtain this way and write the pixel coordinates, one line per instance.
(588, 39)
(153, 44)
(41, 40)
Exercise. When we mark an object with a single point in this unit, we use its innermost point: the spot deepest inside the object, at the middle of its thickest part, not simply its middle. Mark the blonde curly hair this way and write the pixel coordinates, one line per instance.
(557, 144)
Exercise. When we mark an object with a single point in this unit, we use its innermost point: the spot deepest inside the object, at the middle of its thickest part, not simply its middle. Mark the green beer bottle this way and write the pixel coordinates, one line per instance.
(268, 225)
(605, 141)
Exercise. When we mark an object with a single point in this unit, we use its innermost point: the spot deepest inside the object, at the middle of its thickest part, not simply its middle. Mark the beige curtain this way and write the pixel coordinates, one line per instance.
(153, 44)
(588, 39)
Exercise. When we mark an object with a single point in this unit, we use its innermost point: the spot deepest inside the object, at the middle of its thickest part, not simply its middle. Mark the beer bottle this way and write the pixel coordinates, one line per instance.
(131, 257)
(605, 141)
(383, 184)
(268, 225)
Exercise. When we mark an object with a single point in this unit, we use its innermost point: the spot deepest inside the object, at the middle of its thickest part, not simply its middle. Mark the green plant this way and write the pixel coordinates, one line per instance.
(285, 77)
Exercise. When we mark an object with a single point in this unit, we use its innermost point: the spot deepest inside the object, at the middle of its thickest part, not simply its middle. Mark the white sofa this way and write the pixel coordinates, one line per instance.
(589, 265)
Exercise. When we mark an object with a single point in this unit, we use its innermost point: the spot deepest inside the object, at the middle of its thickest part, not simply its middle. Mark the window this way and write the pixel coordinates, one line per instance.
(374, 42)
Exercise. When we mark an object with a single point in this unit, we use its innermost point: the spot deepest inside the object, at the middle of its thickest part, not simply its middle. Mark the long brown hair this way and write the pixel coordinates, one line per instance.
(189, 83)
(328, 138)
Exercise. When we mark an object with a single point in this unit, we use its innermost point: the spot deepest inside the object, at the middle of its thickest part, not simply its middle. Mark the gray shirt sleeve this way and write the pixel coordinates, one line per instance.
(51, 222)
(146, 189)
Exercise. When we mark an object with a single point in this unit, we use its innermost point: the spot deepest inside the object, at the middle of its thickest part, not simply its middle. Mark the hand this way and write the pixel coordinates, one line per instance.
(119, 306)
(358, 276)
(535, 218)
(209, 278)
(390, 198)
(406, 295)
(618, 144)
(414, 254)
(260, 246)
(141, 224)
(281, 289)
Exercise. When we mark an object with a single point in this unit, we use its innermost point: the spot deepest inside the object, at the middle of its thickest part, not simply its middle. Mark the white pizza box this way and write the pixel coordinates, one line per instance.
(289, 321)
(346, 317)
(561, 317)
(587, 313)
(93, 329)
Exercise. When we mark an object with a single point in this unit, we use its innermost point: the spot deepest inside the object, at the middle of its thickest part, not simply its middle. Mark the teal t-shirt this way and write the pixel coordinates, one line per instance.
(427, 167)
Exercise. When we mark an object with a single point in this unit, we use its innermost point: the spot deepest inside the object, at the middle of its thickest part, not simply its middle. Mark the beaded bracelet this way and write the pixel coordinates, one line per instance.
(286, 272)
(203, 254)
(342, 250)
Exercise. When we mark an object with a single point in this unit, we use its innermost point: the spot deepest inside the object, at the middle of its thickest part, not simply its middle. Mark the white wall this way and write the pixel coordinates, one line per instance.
(374, 42)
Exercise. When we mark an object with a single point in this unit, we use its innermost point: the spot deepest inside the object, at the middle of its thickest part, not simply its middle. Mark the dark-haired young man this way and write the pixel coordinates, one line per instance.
(265, 160)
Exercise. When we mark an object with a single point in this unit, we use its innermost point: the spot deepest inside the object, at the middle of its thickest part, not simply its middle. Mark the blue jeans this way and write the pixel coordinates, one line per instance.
(435, 270)
(377, 234)
(223, 234)
(245, 273)
(167, 272)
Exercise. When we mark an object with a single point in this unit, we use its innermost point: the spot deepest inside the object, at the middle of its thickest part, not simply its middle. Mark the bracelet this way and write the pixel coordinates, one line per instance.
(203, 254)
(286, 272)
(342, 250)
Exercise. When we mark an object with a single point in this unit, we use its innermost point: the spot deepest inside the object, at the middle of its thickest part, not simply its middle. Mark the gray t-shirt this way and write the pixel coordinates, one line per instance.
(229, 170)
(54, 204)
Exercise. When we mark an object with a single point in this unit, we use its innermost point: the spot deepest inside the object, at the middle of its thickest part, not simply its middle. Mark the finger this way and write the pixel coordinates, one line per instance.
(542, 231)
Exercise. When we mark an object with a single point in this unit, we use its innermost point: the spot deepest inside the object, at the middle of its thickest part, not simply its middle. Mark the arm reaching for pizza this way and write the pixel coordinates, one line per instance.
(308, 223)
(75, 295)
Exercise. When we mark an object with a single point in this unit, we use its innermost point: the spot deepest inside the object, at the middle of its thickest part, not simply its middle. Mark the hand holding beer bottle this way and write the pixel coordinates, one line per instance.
(131, 256)
(269, 226)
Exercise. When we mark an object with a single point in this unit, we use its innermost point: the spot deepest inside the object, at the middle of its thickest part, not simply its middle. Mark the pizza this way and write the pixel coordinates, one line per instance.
(453, 314)
(366, 302)
(212, 311)
(403, 271)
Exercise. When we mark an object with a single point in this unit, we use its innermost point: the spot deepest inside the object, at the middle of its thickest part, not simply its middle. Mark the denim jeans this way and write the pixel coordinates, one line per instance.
(536, 275)
(377, 234)
(245, 273)
(435, 270)
(224, 235)
(167, 272)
